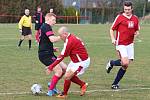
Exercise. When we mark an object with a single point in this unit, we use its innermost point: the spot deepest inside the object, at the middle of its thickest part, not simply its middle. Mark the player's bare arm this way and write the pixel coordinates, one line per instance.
(112, 37)
(54, 38)
(137, 34)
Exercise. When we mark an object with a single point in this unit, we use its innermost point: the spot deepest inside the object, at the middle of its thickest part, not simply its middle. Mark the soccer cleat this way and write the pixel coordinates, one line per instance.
(115, 87)
(83, 89)
(50, 93)
(55, 90)
(62, 96)
(108, 67)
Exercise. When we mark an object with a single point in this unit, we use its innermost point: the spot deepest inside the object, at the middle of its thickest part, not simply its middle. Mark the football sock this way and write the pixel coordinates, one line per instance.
(37, 36)
(76, 80)
(20, 41)
(29, 44)
(116, 62)
(67, 84)
(119, 76)
(54, 81)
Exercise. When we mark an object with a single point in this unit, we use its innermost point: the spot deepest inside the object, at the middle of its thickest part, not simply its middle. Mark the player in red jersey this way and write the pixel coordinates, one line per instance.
(126, 26)
(75, 49)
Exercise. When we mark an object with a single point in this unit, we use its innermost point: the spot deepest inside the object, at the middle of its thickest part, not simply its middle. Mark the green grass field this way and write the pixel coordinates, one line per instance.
(20, 68)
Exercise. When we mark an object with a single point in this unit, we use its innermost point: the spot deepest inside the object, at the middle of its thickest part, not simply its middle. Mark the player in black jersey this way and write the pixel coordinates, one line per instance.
(46, 51)
(39, 20)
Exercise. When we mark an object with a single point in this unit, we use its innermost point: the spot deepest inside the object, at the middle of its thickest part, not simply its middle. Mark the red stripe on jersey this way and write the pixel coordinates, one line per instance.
(49, 33)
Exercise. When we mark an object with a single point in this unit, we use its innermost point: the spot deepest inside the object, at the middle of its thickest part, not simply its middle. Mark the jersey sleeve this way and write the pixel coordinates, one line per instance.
(31, 22)
(115, 23)
(49, 31)
(137, 26)
(57, 61)
(21, 22)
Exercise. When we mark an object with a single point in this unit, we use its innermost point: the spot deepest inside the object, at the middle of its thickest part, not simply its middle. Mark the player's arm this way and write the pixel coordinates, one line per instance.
(54, 38)
(51, 36)
(57, 61)
(31, 23)
(65, 51)
(112, 36)
(137, 34)
(137, 28)
(21, 23)
(114, 27)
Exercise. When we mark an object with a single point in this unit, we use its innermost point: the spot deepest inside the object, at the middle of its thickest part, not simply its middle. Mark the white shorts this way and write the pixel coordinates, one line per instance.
(126, 50)
(74, 66)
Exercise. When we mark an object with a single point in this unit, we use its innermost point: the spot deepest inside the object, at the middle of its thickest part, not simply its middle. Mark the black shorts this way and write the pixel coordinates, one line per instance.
(47, 58)
(26, 31)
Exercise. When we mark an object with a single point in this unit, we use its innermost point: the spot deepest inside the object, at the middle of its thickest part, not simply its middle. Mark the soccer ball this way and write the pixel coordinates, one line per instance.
(36, 89)
(74, 3)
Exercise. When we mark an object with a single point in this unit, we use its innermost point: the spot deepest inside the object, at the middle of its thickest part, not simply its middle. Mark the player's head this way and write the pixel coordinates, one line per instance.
(128, 8)
(63, 32)
(51, 10)
(27, 12)
(38, 9)
(50, 19)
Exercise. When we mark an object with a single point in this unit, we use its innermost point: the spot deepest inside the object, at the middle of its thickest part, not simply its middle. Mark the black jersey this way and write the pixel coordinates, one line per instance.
(40, 18)
(45, 45)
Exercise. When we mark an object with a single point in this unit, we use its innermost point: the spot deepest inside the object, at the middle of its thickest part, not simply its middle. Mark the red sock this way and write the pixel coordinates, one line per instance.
(54, 81)
(67, 84)
(37, 36)
(76, 80)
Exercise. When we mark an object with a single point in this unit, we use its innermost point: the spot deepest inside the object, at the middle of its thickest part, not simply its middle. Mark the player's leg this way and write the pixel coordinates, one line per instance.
(46, 59)
(64, 67)
(21, 40)
(72, 71)
(55, 78)
(122, 51)
(121, 72)
(37, 36)
(112, 63)
(29, 38)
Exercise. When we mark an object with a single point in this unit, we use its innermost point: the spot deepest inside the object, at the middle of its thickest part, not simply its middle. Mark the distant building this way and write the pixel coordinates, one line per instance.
(96, 10)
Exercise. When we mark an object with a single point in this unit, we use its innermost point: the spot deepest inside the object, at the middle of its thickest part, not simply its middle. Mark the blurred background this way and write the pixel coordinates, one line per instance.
(73, 11)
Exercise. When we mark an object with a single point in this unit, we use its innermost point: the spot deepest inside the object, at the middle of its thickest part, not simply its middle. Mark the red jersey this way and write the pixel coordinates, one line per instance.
(74, 48)
(125, 28)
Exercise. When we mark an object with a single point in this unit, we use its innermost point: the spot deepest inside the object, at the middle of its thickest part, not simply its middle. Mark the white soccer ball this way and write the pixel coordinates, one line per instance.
(74, 3)
(36, 89)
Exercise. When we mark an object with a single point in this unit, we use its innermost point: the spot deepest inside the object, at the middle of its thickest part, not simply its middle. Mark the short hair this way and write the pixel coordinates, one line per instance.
(50, 14)
(38, 6)
(128, 3)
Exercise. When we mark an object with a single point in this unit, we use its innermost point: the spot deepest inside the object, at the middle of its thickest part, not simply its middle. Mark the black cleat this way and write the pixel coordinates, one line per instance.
(108, 67)
(115, 87)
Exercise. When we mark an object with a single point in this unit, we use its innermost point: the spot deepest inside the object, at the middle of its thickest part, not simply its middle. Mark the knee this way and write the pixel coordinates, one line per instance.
(67, 77)
(59, 72)
(125, 64)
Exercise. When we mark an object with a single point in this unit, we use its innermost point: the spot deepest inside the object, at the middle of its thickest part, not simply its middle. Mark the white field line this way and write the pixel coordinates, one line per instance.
(89, 91)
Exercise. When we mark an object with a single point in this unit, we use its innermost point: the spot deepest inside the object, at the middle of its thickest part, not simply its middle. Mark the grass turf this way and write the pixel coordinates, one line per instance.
(20, 68)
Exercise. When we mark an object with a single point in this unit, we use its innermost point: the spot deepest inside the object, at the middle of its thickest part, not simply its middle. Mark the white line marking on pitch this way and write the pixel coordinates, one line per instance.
(89, 91)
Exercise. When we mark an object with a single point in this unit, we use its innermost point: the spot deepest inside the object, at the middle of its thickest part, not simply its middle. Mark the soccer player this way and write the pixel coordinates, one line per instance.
(25, 26)
(80, 61)
(39, 20)
(46, 52)
(126, 26)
